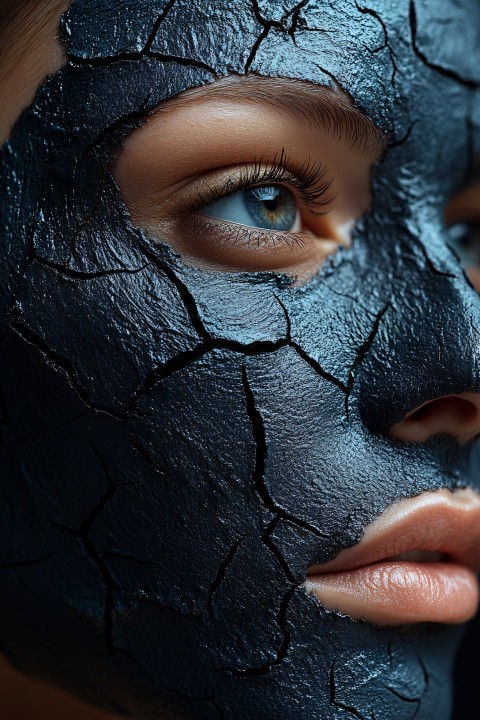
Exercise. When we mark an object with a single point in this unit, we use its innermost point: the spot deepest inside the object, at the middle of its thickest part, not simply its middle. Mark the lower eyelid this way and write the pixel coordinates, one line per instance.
(256, 251)
(237, 235)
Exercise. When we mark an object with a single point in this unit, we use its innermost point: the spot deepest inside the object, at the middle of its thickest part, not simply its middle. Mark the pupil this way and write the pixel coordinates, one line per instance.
(272, 207)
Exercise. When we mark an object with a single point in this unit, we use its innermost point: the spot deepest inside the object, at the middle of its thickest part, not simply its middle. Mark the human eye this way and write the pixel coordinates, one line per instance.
(253, 189)
(266, 207)
(270, 214)
(464, 239)
(463, 230)
(262, 217)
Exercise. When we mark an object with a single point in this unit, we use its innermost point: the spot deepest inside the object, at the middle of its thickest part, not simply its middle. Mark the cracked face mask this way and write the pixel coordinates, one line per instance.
(180, 444)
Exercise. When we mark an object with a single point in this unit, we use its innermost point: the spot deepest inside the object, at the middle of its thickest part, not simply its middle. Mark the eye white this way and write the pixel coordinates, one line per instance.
(270, 207)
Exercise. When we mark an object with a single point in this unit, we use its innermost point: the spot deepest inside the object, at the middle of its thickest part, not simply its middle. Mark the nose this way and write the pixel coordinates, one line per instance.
(454, 415)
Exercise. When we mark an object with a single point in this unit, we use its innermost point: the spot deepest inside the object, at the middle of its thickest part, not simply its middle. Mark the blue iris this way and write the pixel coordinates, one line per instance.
(270, 207)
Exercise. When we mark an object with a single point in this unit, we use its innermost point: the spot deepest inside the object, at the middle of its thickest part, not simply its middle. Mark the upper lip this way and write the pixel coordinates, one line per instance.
(441, 521)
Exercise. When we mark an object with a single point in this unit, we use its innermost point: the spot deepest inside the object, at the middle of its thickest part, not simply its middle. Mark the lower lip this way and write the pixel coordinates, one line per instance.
(399, 592)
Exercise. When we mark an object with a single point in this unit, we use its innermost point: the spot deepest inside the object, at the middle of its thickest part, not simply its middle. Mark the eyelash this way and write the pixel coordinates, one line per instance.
(255, 238)
(310, 181)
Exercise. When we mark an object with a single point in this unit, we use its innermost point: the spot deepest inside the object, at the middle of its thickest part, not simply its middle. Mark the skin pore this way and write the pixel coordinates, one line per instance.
(167, 202)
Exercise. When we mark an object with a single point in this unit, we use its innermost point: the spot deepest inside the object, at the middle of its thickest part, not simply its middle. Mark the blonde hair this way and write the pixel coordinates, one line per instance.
(21, 22)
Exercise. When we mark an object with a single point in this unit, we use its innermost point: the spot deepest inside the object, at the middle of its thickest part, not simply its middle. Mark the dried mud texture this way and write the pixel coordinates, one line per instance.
(179, 445)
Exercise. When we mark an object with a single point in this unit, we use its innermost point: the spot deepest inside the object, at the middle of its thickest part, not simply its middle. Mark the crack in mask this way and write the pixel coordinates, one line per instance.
(179, 444)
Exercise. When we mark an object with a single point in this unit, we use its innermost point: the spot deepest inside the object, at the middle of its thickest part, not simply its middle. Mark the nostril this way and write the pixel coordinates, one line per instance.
(445, 409)
(454, 415)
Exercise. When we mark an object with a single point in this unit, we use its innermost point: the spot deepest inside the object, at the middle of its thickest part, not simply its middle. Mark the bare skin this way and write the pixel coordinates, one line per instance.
(160, 199)
(28, 56)
(463, 206)
(233, 133)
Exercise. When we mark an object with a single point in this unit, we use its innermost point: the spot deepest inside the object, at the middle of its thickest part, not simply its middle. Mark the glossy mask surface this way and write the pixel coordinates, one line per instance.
(180, 445)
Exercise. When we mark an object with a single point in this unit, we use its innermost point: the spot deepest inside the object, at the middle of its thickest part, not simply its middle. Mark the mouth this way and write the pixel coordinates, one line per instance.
(417, 562)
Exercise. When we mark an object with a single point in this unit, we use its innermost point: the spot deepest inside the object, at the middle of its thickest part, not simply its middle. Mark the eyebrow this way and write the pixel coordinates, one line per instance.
(319, 107)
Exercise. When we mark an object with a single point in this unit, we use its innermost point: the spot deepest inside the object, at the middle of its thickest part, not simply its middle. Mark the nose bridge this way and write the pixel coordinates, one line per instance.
(427, 348)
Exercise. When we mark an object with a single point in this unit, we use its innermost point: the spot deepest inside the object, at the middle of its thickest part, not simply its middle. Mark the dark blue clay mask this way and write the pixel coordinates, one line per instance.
(179, 445)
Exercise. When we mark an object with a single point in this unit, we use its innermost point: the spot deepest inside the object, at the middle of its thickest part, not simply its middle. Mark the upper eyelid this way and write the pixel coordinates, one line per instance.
(278, 174)
(314, 105)
(297, 98)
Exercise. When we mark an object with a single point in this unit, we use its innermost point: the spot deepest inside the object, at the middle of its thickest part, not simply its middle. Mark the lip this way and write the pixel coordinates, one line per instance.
(416, 562)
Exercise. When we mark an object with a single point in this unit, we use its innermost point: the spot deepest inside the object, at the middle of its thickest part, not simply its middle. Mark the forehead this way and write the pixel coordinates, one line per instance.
(395, 59)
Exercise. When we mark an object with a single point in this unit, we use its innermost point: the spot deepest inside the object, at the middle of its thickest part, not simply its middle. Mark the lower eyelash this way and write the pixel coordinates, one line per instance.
(236, 235)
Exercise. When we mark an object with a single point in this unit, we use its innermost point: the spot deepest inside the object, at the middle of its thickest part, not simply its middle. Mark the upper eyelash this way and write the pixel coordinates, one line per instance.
(310, 180)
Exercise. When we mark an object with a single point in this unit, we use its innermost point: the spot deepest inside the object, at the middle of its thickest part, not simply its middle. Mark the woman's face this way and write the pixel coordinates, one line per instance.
(200, 381)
